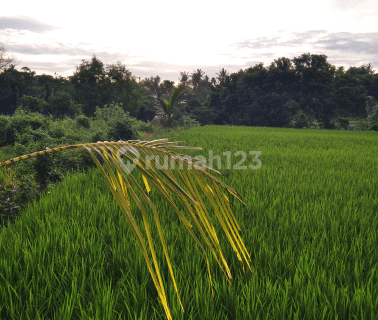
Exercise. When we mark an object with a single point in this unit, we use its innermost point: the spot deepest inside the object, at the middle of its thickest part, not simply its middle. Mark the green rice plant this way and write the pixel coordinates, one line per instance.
(172, 181)
(310, 224)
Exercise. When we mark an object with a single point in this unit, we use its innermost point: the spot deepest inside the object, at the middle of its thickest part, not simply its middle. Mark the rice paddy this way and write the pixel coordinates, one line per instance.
(310, 226)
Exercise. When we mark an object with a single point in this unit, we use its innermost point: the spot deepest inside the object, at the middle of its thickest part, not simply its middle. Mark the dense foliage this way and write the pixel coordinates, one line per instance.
(26, 132)
(292, 93)
(306, 91)
(100, 103)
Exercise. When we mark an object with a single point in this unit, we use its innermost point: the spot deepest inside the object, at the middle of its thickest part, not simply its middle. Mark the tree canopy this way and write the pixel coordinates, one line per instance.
(307, 87)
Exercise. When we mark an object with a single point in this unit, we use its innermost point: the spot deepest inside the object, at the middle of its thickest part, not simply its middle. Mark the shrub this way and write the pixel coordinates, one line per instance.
(110, 113)
(116, 124)
(342, 123)
(56, 132)
(121, 130)
(139, 125)
(83, 121)
(62, 105)
(33, 104)
(98, 136)
(21, 120)
(299, 120)
(72, 137)
(4, 122)
(186, 122)
(29, 136)
(373, 127)
(14, 194)
(372, 113)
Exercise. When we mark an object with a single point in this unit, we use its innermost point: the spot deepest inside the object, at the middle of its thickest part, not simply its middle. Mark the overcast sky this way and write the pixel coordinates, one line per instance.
(165, 37)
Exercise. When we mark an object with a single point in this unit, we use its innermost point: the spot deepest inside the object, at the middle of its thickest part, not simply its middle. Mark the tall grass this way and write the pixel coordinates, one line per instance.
(310, 225)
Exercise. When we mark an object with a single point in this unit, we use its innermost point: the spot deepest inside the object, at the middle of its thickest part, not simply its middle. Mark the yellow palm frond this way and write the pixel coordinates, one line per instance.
(167, 181)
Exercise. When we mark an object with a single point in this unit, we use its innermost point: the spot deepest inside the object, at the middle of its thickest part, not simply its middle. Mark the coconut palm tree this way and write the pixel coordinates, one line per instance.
(185, 170)
(166, 109)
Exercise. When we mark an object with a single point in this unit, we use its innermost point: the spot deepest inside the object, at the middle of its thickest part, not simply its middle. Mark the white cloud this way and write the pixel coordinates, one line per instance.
(165, 37)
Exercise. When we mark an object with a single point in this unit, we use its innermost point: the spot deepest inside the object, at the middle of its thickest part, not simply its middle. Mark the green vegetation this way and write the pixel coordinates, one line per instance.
(310, 226)
(309, 219)
(184, 179)
(305, 91)
(26, 132)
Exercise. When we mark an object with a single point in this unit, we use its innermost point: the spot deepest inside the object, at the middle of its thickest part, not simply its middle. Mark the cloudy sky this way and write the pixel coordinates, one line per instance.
(165, 37)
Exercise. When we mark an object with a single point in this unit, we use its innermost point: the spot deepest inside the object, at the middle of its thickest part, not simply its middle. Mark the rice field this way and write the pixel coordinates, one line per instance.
(310, 226)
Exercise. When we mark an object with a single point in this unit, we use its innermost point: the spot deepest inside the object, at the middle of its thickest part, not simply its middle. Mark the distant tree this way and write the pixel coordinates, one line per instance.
(364, 69)
(282, 65)
(13, 86)
(299, 120)
(121, 87)
(198, 95)
(314, 71)
(46, 81)
(340, 71)
(166, 109)
(316, 76)
(5, 62)
(372, 113)
(281, 72)
(201, 87)
(95, 85)
(62, 104)
(256, 76)
(88, 82)
(33, 104)
(370, 83)
(196, 78)
(147, 110)
(184, 77)
(167, 87)
(349, 95)
(26, 69)
(220, 114)
(152, 85)
(223, 77)
(47, 85)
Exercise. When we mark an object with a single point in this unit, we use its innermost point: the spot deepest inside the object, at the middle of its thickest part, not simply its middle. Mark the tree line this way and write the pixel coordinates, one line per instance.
(305, 91)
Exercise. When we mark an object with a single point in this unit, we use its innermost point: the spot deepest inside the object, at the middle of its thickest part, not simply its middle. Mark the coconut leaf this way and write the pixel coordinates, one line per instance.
(187, 180)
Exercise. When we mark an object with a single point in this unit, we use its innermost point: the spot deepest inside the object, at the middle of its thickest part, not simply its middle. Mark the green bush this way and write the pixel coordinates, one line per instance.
(342, 123)
(110, 113)
(73, 138)
(56, 132)
(372, 112)
(33, 104)
(15, 193)
(140, 126)
(62, 105)
(21, 120)
(4, 123)
(29, 135)
(112, 122)
(299, 120)
(26, 132)
(98, 136)
(121, 130)
(186, 122)
(83, 121)
(373, 127)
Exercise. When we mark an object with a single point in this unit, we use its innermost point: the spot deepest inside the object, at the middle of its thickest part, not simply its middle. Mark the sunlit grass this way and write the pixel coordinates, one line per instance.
(310, 226)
